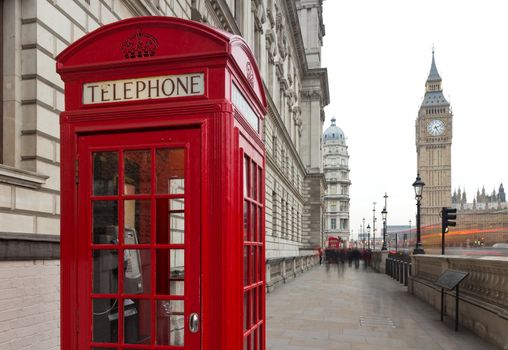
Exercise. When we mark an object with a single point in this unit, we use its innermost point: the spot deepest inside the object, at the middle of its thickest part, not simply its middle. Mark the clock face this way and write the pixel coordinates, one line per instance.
(436, 127)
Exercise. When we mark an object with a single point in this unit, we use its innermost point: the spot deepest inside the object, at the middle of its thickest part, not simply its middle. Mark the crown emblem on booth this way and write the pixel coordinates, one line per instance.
(250, 74)
(139, 45)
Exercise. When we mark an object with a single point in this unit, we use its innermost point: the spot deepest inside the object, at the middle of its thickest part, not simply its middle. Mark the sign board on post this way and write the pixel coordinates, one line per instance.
(450, 279)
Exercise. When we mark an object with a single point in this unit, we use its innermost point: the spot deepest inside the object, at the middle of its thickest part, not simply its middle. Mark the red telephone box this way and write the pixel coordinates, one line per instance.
(162, 243)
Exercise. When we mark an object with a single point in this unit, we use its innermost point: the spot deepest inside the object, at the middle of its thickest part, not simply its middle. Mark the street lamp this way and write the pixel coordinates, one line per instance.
(410, 234)
(384, 213)
(418, 186)
(368, 236)
(374, 224)
(363, 229)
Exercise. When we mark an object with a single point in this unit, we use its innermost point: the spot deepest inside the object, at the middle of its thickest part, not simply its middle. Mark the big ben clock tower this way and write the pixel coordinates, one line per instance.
(433, 148)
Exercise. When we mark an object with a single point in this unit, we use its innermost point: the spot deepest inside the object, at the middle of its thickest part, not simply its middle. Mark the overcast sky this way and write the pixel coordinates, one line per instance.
(378, 55)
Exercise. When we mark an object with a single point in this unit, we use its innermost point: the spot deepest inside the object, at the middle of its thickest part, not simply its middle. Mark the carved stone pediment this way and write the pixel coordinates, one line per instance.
(258, 9)
(279, 65)
(271, 46)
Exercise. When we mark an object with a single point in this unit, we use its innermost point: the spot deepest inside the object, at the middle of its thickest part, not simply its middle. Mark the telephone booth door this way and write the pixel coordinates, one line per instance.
(139, 240)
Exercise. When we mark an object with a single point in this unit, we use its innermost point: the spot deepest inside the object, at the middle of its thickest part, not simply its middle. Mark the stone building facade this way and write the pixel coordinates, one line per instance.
(336, 170)
(433, 148)
(286, 37)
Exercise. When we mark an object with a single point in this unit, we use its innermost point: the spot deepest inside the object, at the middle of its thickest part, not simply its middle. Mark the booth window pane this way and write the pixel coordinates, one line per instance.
(246, 266)
(245, 313)
(137, 317)
(246, 178)
(105, 272)
(170, 272)
(170, 225)
(245, 220)
(176, 228)
(260, 305)
(105, 320)
(177, 204)
(170, 165)
(138, 271)
(137, 221)
(137, 171)
(253, 223)
(105, 222)
(170, 322)
(105, 173)
(254, 182)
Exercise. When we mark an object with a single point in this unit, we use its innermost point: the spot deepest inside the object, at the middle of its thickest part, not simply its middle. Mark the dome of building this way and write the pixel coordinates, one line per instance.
(334, 133)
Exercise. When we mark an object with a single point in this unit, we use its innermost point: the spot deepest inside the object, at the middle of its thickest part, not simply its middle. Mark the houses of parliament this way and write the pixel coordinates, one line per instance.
(481, 222)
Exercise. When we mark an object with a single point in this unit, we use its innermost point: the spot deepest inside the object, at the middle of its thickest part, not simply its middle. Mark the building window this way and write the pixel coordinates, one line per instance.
(333, 206)
(333, 224)
(274, 213)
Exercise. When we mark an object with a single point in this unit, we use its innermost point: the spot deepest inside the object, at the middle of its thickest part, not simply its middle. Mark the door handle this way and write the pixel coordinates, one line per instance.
(194, 323)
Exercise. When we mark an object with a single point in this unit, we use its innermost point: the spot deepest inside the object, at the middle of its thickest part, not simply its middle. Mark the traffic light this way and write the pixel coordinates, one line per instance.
(449, 215)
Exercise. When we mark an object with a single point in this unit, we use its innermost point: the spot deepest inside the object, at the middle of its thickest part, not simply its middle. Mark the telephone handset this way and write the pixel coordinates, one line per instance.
(133, 273)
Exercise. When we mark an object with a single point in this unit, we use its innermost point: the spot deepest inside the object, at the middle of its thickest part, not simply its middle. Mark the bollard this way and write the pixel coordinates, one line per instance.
(406, 270)
(401, 272)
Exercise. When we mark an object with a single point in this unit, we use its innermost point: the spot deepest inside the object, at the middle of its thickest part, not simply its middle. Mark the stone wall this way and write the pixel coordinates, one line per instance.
(483, 306)
(281, 270)
(30, 304)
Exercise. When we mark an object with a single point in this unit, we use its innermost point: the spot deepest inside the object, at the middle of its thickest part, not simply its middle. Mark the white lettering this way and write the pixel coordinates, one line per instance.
(144, 88)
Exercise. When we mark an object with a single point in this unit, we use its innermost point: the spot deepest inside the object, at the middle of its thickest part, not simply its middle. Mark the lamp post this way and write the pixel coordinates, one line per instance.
(374, 224)
(363, 230)
(410, 234)
(368, 236)
(384, 213)
(418, 186)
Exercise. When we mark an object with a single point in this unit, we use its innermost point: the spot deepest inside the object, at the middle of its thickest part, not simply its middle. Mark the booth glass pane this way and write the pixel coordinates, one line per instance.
(252, 264)
(259, 303)
(105, 320)
(137, 221)
(105, 222)
(245, 220)
(170, 271)
(177, 204)
(253, 223)
(260, 223)
(170, 224)
(246, 178)
(245, 311)
(138, 271)
(169, 167)
(137, 171)
(137, 317)
(170, 322)
(176, 228)
(246, 266)
(105, 272)
(105, 173)
(254, 182)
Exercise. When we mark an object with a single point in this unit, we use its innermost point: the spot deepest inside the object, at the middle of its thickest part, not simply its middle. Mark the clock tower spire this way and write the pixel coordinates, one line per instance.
(433, 148)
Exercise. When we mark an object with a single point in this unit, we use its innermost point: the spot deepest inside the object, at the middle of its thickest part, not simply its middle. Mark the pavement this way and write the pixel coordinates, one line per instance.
(345, 308)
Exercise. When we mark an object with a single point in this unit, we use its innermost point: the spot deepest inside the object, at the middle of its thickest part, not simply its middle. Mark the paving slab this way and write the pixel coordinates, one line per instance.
(345, 308)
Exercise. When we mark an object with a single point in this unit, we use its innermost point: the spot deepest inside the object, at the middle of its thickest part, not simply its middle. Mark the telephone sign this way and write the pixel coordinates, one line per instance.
(162, 185)
(144, 88)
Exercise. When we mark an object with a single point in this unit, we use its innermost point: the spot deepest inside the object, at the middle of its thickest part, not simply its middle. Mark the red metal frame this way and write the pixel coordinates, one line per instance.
(218, 137)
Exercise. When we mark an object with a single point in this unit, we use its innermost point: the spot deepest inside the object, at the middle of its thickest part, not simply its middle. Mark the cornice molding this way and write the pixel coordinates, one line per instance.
(19, 177)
